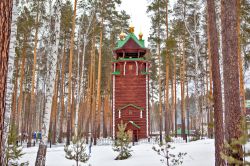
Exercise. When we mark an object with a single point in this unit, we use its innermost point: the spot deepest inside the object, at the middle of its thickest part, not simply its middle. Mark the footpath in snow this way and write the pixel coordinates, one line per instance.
(199, 153)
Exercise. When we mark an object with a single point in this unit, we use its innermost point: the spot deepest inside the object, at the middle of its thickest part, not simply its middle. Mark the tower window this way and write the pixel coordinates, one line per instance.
(130, 112)
(130, 67)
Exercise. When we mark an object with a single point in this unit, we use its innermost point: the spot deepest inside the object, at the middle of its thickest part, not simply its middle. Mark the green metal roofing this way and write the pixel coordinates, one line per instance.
(134, 124)
(132, 105)
(116, 73)
(179, 131)
(129, 59)
(121, 43)
(144, 73)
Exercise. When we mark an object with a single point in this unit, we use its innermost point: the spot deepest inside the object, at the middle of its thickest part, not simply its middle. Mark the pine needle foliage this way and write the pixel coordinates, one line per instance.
(233, 147)
(14, 151)
(169, 159)
(122, 143)
(76, 151)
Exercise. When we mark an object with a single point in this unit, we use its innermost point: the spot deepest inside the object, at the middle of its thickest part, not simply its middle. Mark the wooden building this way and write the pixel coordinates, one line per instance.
(130, 79)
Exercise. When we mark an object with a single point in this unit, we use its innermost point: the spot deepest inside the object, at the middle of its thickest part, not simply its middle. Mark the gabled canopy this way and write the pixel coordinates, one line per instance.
(132, 105)
(122, 43)
(134, 124)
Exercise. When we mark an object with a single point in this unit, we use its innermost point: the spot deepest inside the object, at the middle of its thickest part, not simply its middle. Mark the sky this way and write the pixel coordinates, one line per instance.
(137, 9)
(139, 18)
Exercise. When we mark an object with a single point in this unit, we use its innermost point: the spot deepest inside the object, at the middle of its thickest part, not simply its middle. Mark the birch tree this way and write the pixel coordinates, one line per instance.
(52, 61)
(194, 34)
(32, 104)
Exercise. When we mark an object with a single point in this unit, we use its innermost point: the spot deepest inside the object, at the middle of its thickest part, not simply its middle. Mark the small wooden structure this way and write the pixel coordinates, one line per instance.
(130, 79)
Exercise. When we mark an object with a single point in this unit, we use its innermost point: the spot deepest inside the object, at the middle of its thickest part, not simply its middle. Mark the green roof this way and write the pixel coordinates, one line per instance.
(129, 59)
(134, 124)
(179, 131)
(116, 73)
(132, 105)
(144, 73)
(121, 43)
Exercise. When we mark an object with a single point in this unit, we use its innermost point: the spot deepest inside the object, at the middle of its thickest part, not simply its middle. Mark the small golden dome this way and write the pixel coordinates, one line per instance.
(131, 28)
(140, 35)
(122, 35)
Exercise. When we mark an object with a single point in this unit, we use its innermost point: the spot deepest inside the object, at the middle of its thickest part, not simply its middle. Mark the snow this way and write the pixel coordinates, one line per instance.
(198, 153)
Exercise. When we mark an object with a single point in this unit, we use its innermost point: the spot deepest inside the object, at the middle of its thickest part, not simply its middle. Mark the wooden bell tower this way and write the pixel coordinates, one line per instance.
(130, 80)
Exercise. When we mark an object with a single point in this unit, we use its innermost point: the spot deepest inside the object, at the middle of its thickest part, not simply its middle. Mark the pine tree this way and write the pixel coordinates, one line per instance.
(167, 111)
(233, 114)
(245, 31)
(122, 143)
(170, 159)
(5, 22)
(76, 151)
(157, 9)
(13, 151)
(213, 42)
(66, 24)
(69, 111)
(234, 145)
(24, 27)
(241, 77)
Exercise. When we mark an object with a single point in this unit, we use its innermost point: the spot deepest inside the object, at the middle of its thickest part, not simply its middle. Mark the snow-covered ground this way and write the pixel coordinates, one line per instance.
(199, 153)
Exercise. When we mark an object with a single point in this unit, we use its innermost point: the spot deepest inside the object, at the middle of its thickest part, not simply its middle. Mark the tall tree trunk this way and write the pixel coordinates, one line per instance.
(89, 96)
(183, 113)
(159, 76)
(172, 104)
(32, 103)
(175, 94)
(5, 103)
(62, 115)
(20, 98)
(99, 82)
(167, 111)
(233, 114)
(242, 89)
(210, 92)
(10, 99)
(52, 61)
(160, 93)
(105, 114)
(188, 113)
(206, 98)
(70, 74)
(73, 111)
(14, 93)
(93, 94)
(54, 107)
(78, 87)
